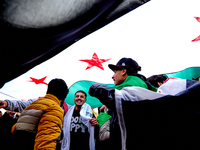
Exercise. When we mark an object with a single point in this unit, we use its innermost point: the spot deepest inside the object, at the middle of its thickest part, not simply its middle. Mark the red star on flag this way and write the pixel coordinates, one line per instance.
(197, 38)
(38, 81)
(95, 61)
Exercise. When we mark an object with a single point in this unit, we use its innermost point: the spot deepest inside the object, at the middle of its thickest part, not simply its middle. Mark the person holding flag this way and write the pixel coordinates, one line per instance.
(145, 119)
(125, 75)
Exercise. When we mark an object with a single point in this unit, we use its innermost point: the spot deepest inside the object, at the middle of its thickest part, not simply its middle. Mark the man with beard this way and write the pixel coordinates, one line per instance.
(78, 125)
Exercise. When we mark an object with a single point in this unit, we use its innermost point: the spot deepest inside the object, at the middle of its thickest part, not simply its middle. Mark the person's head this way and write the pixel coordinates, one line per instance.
(157, 80)
(124, 68)
(58, 88)
(80, 98)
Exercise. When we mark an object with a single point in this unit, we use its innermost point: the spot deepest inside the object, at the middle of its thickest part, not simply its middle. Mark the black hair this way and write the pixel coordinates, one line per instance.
(82, 92)
(154, 79)
(58, 88)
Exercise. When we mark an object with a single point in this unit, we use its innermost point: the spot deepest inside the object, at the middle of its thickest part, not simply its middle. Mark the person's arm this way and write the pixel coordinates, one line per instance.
(15, 105)
(104, 93)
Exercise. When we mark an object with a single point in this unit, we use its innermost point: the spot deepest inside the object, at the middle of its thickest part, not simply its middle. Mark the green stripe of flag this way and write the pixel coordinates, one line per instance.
(192, 73)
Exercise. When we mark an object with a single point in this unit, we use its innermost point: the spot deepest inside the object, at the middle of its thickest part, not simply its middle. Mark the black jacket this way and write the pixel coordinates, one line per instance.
(106, 95)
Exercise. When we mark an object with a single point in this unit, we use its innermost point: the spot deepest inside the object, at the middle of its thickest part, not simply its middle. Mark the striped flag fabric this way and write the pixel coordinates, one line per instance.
(169, 121)
(154, 120)
(159, 35)
(35, 31)
(173, 86)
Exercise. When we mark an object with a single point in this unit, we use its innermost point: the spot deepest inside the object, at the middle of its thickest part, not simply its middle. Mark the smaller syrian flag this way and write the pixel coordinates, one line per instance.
(173, 86)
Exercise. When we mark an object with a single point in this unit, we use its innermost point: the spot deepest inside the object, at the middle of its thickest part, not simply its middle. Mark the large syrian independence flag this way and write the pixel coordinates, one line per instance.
(33, 31)
(161, 35)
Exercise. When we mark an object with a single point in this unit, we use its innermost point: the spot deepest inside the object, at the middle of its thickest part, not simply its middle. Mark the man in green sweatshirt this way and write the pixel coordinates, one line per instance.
(125, 77)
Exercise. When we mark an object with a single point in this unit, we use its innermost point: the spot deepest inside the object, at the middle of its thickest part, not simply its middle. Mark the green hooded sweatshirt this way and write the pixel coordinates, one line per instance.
(128, 82)
(134, 81)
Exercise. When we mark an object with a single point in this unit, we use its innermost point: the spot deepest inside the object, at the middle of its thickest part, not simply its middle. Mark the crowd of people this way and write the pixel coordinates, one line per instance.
(48, 123)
